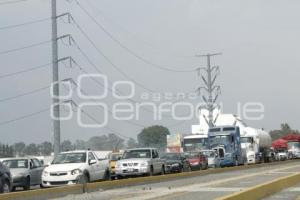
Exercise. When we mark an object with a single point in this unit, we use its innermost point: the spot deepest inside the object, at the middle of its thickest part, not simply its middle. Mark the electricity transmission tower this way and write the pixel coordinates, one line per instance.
(55, 76)
(212, 90)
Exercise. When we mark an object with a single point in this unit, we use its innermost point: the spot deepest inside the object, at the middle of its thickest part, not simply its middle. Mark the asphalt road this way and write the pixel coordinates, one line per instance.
(292, 193)
(206, 187)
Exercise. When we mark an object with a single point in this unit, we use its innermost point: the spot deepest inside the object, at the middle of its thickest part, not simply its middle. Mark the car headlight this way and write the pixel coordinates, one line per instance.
(144, 164)
(45, 173)
(76, 171)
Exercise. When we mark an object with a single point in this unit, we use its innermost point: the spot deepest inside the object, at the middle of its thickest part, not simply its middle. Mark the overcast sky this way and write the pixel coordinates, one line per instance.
(260, 62)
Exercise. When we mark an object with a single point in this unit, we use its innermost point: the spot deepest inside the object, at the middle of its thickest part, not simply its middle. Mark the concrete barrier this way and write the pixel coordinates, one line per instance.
(264, 190)
(42, 194)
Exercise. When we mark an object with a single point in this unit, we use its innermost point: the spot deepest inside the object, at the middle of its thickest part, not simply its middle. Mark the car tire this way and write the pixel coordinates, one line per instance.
(27, 184)
(107, 176)
(85, 179)
(5, 187)
(151, 171)
(162, 170)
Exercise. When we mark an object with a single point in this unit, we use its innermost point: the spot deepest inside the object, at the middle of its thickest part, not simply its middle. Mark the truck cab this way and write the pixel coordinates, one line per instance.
(225, 140)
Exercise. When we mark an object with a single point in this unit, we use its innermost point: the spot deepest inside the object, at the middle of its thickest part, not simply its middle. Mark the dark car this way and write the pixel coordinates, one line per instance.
(197, 160)
(5, 179)
(176, 162)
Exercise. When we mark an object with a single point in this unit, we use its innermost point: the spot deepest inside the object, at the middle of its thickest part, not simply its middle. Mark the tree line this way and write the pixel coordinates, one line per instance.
(154, 136)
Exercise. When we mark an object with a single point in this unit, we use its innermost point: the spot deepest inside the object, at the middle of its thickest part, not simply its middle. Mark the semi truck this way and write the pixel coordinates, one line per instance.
(257, 145)
(225, 140)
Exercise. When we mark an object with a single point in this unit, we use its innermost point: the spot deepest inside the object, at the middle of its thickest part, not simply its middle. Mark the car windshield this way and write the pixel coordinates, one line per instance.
(246, 140)
(192, 155)
(209, 154)
(19, 163)
(139, 153)
(115, 157)
(292, 145)
(70, 158)
(171, 156)
(195, 144)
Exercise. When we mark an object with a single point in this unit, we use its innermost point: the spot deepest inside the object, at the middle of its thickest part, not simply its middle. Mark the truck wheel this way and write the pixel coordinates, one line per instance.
(236, 162)
(27, 184)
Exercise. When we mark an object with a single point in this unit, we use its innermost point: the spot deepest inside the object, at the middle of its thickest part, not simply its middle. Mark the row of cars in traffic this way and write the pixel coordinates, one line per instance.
(74, 167)
(84, 166)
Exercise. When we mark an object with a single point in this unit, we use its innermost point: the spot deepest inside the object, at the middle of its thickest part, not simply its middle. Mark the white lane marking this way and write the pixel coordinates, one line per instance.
(293, 189)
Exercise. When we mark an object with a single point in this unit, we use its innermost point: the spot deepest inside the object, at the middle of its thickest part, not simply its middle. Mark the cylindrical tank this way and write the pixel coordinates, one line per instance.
(260, 137)
(264, 139)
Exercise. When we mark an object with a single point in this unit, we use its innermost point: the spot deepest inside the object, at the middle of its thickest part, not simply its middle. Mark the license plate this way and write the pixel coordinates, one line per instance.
(130, 169)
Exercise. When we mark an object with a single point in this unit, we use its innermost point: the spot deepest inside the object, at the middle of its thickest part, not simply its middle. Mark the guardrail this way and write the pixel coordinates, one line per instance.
(46, 193)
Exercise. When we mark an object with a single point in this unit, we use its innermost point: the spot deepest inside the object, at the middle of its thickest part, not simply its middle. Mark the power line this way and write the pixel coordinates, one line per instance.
(133, 35)
(24, 71)
(125, 47)
(108, 60)
(25, 23)
(24, 47)
(24, 117)
(106, 127)
(11, 2)
(25, 94)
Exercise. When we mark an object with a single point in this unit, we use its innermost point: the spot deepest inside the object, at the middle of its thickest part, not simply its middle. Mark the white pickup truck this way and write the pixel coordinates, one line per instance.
(73, 167)
(140, 161)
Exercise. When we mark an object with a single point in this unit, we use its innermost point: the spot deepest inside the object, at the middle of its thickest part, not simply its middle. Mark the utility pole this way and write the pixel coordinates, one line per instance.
(55, 97)
(210, 87)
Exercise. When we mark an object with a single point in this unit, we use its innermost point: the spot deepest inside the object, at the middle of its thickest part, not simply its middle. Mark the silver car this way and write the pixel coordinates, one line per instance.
(212, 158)
(25, 171)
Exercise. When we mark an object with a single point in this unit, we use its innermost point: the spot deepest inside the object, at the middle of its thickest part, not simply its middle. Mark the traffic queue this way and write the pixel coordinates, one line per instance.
(224, 149)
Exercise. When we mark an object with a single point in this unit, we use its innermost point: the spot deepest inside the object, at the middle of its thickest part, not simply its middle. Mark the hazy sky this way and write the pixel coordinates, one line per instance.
(260, 62)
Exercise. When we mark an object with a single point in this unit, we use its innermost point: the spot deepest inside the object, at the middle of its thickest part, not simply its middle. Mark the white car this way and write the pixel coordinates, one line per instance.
(140, 161)
(212, 158)
(73, 167)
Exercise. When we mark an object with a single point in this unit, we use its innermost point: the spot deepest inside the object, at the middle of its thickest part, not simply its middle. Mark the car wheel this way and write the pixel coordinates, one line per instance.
(162, 170)
(5, 187)
(27, 184)
(151, 171)
(107, 176)
(85, 179)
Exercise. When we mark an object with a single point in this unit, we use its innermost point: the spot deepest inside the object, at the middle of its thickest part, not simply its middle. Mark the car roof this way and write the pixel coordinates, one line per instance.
(75, 151)
(17, 158)
(145, 148)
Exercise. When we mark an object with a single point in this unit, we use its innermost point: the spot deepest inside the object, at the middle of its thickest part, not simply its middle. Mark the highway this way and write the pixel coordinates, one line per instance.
(210, 186)
(292, 193)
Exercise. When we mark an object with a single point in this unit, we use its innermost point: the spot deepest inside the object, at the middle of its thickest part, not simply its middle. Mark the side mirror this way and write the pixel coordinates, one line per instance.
(91, 162)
